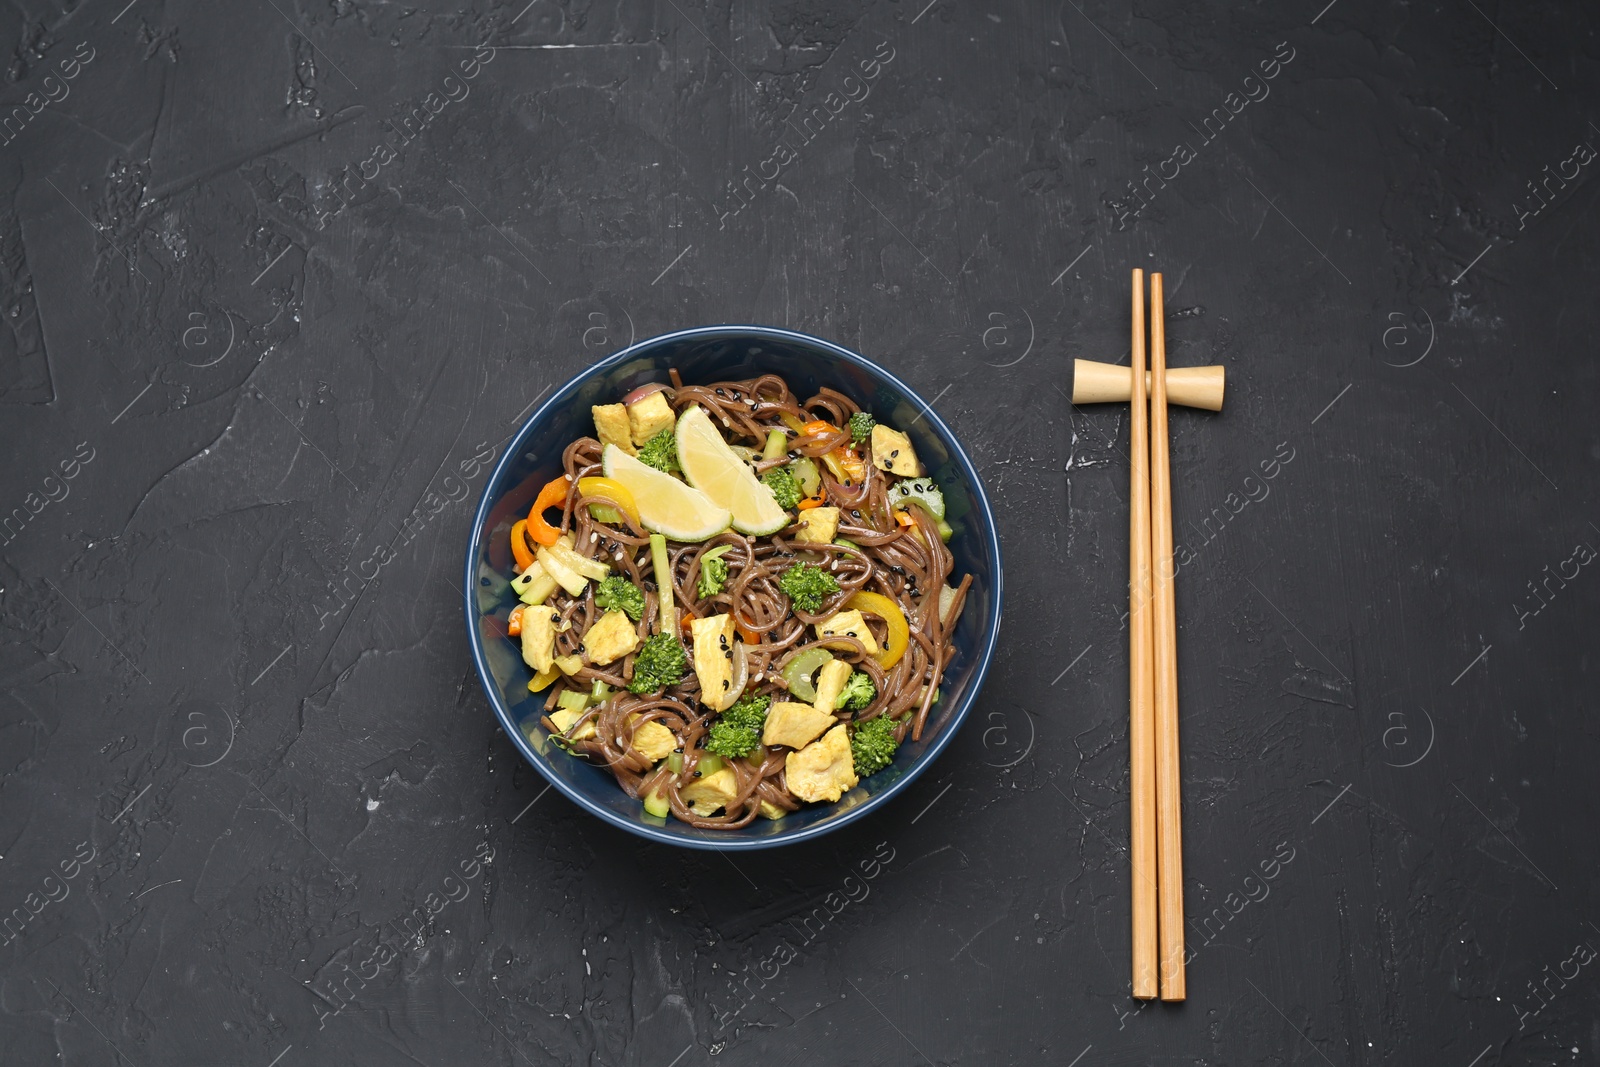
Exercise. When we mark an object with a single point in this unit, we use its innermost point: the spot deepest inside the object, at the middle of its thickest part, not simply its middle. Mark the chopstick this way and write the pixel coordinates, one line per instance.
(1169, 831)
(1141, 673)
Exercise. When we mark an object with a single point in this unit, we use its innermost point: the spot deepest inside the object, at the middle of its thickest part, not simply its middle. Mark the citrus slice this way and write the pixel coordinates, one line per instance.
(666, 505)
(712, 467)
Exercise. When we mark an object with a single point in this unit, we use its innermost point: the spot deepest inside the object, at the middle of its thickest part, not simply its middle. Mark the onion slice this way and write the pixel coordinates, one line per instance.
(741, 672)
(642, 392)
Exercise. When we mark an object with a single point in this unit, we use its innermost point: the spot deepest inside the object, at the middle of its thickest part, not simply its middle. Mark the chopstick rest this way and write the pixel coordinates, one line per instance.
(1110, 383)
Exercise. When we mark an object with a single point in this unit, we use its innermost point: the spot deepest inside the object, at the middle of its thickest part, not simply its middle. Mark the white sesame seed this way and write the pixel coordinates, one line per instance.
(594, 536)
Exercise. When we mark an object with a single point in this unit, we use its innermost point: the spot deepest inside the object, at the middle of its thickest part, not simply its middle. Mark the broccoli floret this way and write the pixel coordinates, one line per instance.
(784, 486)
(749, 710)
(661, 662)
(807, 586)
(861, 425)
(738, 731)
(858, 692)
(872, 744)
(617, 592)
(713, 575)
(732, 741)
(661, 452)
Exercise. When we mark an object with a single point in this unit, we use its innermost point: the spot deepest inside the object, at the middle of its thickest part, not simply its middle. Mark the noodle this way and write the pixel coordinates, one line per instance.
(908, 564)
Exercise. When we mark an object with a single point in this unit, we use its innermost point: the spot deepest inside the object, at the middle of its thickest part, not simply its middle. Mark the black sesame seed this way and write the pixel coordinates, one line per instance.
(895, 453)
(725, 683)
(721, 392)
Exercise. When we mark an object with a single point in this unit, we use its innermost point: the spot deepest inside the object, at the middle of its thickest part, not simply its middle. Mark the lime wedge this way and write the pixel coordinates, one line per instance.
(712, 467)
(666, 505)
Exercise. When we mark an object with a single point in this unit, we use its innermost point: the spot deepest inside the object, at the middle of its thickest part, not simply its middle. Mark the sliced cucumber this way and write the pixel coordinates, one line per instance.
(918, 491)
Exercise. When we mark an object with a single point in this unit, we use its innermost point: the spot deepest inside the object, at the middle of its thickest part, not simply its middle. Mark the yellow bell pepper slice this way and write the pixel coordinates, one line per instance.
(887, 610)
(611, 489)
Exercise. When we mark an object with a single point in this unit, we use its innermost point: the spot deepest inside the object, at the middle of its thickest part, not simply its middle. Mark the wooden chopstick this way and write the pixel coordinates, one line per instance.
(1141, 673)
(1169, 830)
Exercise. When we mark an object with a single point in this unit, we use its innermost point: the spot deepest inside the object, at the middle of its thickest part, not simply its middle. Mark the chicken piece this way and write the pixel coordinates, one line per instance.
(794, 725)
(611, 637)
(713, 660)
(565, 717)
(612, 426)
(830, 683)
(892, 452)
(822, 770)
(705, 795)
(652, 740)
(649, 416)
(818, 526)
(848, 624)
(539, 637)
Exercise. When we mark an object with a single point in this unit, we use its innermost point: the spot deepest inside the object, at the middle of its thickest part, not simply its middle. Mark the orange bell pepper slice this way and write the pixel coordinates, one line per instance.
(846, 465)
(554, 492)
(514, 622)
(819, 426)
(899, 630)
(811, 502)
(750, 636)
(519, 546)
(611, 489)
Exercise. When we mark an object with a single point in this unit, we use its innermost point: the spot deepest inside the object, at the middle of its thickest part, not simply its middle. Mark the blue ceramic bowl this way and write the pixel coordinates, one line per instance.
(719, 353)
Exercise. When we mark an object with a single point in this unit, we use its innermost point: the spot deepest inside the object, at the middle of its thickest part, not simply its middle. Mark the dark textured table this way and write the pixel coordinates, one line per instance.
(280, 278)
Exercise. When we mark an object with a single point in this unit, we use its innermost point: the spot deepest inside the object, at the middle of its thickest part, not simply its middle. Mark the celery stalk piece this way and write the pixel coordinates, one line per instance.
(663, 571)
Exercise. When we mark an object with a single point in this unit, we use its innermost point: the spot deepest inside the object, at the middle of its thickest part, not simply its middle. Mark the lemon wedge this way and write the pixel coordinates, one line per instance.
(712, 467)
(666, 505)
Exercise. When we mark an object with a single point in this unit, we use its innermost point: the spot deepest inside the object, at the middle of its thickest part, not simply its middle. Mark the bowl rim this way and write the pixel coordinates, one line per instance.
(662, 835)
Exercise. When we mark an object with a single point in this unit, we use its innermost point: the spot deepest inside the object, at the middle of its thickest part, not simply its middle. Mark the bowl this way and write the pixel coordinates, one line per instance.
(716, 353)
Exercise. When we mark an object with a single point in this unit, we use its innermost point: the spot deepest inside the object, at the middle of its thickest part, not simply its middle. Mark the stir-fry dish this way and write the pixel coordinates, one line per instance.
(746, 604)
